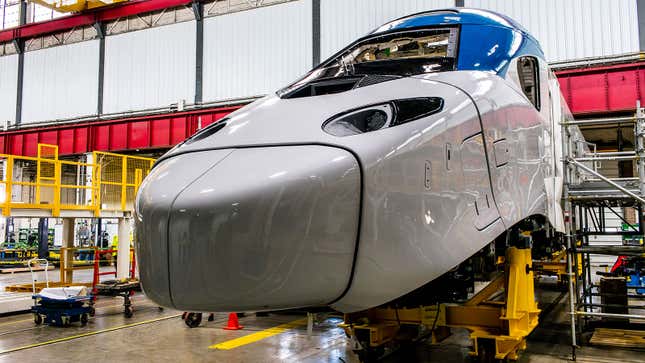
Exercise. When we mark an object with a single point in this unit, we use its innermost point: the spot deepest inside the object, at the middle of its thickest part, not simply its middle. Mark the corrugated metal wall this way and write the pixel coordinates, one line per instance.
(60, 82)
(343, 21)
(8, 86)
(256, 52)
(574, 29)
(150, 68)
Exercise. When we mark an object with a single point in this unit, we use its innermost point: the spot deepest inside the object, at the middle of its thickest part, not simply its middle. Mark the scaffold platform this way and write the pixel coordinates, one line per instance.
(604, 202)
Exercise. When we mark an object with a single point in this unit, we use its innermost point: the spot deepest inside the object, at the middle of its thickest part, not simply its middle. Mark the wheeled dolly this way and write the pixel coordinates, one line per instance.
(122, 288)
(61, 312)
(193, 320)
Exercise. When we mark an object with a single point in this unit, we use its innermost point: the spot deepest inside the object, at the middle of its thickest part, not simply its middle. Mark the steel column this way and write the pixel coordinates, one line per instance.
(640, 147)
(123, 249)
(198, 10)
(640, 9)
(315, 31)
(4, 12)
(569, 230)
(100, 30)
(8, 230)
(20, 48)
(19, 44)
(67, 255)
(43, 240)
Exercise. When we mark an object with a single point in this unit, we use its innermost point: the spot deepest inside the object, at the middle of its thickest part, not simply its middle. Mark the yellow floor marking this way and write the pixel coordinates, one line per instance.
(87, 334)
(252, 338)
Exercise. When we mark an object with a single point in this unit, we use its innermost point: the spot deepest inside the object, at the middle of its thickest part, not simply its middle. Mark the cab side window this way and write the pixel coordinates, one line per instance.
(528, 72)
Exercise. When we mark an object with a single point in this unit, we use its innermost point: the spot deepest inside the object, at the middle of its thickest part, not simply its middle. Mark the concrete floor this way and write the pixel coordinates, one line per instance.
(160, 335)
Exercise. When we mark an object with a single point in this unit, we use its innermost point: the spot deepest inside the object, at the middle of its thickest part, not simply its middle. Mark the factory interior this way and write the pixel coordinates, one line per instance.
(322, 181)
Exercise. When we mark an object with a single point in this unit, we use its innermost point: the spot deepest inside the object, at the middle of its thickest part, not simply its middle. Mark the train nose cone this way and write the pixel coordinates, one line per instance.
(264, 228)
(156, 195)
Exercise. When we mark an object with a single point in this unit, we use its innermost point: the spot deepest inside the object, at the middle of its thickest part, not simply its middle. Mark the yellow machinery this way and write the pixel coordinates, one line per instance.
(556, 265)
(46, 186)
(499, 317)
(75, 6)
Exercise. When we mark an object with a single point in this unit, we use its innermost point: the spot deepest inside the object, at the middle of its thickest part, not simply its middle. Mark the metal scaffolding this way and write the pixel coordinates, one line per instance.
(589, 199)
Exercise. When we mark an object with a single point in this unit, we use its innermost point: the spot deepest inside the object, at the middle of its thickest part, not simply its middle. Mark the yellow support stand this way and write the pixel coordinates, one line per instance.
(518, 317)
(498, 327)
(556, 265)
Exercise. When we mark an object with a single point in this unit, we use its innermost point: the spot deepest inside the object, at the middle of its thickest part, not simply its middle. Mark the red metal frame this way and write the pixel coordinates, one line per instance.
(97, 266)
(128, 134)
(88, 18)
(603, 89)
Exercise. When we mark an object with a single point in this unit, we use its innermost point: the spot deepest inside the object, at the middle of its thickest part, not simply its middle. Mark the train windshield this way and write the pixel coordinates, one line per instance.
(387, 56)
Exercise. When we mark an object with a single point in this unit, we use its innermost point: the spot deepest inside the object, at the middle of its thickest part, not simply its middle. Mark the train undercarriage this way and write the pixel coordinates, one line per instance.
(491, 295)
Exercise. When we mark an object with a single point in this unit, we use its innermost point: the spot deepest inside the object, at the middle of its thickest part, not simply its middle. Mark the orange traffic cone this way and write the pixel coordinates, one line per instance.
(233, 323)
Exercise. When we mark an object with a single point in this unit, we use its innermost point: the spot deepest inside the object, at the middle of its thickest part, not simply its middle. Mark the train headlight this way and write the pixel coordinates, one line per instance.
(380, 116)
(360, 121)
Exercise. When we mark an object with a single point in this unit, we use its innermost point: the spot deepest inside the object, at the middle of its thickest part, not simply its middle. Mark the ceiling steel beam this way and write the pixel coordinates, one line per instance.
(89, 18)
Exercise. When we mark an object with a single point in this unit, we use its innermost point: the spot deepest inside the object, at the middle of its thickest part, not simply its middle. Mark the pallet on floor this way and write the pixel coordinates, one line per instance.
(618, 338)
(41, 285)
(11, 270)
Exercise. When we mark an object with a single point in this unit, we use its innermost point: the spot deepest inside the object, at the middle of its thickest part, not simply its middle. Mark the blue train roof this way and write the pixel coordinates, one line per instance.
(487, 41)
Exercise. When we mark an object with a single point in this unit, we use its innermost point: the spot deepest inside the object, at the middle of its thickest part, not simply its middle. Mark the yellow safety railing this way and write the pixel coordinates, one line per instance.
(119, 178)
(109, 182)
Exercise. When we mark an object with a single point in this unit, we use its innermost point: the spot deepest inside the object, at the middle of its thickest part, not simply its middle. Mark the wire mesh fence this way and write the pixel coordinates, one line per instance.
(108, 182)
(119, 179)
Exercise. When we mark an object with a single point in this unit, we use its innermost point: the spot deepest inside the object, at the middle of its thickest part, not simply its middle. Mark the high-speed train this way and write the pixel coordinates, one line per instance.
(380, 170)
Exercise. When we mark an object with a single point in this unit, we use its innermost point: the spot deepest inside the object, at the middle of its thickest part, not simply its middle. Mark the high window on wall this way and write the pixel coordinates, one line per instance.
(528, 71)
(10, 13)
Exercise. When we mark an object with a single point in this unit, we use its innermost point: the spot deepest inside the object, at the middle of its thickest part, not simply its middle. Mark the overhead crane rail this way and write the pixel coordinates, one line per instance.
(75, 6)
(46, 186)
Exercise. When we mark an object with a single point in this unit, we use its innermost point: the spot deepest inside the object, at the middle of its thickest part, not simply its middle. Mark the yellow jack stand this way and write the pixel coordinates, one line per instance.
(500, 331)
(498, 327)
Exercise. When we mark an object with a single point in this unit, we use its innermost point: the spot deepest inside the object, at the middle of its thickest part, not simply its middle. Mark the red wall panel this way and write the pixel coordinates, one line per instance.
(118, 136)
(101, 137)
(149, 132)
(139, 135)
(80, 140)
(623, 90)
(588, 92)
(603, 90)
(160, 133)
(66, 142)
(14, 145)
(641, 83)
(48, 137)
(179, 131)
